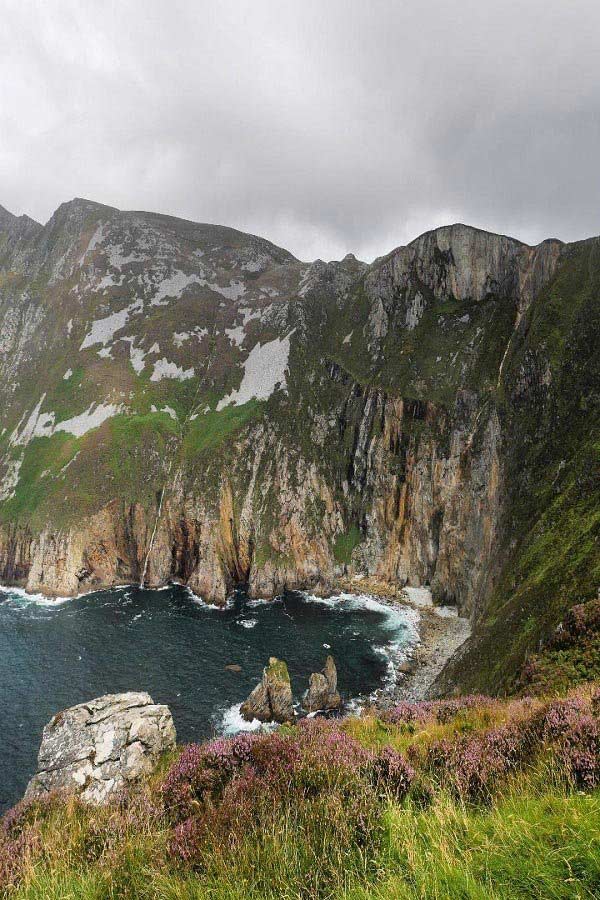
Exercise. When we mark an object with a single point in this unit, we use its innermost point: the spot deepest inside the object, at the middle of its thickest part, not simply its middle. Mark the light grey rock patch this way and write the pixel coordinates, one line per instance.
(97, 748)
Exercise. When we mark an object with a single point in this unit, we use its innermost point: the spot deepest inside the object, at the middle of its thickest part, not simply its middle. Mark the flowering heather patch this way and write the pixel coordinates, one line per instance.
(391, 773)
(277, 756)
(441, 711)
(263, 777)
(316, 748)
(230, 753)
(573, 728)
(407, 713)
(14, 820)
(187, 836)
(446, 710)
(187, 781)
(579, 752)
(580, 620)
(472, 766)
(20, 839)
(14, 852)
(325, 742)
(559, 716)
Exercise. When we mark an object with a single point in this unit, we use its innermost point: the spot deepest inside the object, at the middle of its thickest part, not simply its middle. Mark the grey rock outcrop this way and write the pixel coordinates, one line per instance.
(271, 700)
(322, 693)
(95, 749)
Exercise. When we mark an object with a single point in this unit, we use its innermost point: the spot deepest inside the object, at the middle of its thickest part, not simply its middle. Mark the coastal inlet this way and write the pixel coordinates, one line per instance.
(200, 661)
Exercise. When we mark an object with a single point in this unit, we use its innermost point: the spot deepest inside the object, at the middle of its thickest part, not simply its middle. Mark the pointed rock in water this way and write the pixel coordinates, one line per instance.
(322, 693)
(271, 700)
(97, 748)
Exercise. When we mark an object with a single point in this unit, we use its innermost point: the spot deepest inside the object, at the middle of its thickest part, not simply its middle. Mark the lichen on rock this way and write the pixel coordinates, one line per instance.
(97, 748)
(271, 700)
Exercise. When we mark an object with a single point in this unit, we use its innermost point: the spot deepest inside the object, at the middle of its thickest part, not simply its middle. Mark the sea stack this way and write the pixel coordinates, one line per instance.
(271, 700)
(322, 693)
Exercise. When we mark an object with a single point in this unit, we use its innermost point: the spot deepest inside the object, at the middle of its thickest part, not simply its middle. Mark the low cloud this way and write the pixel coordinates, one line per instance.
(326, 127)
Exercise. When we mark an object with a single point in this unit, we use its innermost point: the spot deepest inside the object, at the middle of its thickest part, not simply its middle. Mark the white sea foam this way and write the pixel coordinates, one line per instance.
(248, 623)
(195, 598)
(16, 593)
(260, 601)
(324, 601)
(400, 622)
(232, 721)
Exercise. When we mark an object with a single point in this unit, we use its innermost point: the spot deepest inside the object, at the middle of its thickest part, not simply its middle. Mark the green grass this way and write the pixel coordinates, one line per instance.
(129, 431)
(213, 428)
(345, 544)
(529, 845)
(535, 844)
(66, 396)
(43, 460)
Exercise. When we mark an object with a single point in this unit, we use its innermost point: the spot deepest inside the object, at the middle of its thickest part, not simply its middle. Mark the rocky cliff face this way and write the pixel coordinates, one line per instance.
(185, 402)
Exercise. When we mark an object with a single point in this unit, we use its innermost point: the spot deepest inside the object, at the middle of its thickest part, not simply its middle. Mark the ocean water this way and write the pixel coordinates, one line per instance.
(167, 642)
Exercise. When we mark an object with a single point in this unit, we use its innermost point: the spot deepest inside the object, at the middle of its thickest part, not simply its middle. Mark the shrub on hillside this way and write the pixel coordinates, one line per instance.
(471, 767)
(582, 619)
(572, 728)
(571, 656)
(440, 711)
(391, 773)
(217, 793)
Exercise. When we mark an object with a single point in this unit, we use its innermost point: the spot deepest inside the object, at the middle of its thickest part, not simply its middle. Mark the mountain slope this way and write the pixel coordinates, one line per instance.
(187, 402)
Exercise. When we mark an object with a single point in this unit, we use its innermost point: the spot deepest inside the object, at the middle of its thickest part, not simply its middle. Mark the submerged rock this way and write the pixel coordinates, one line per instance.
(322, 693)
(97, 748)
(271, 700)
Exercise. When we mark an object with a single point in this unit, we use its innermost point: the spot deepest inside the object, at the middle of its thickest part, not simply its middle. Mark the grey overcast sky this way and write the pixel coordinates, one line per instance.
(327, 126)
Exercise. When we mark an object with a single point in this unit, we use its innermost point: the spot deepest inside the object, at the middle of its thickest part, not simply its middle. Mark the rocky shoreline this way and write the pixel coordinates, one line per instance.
(440, 638)
(441, 633)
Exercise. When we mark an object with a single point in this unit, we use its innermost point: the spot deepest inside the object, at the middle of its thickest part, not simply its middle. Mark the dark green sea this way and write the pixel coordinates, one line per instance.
(167, 642)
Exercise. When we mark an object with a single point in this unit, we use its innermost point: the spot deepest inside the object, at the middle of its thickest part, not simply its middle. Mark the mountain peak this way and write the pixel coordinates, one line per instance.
(79, 207)
(6, 218)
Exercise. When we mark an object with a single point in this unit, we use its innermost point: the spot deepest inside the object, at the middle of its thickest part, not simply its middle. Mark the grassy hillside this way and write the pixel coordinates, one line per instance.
(472, 798)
